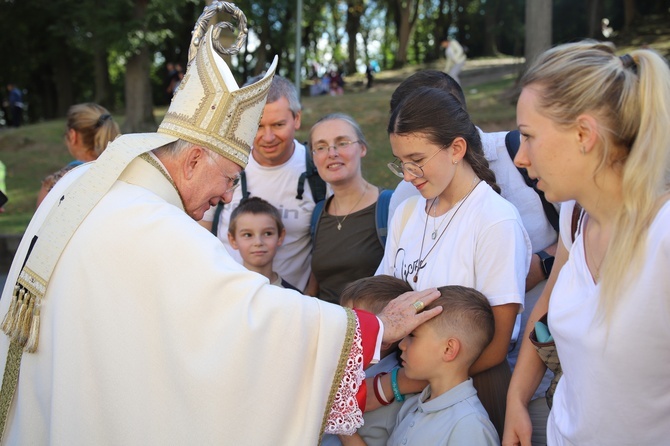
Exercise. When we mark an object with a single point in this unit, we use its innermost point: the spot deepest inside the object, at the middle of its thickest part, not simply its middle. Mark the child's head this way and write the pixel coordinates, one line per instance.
(457, 335)
(256, 230)
(373, 293)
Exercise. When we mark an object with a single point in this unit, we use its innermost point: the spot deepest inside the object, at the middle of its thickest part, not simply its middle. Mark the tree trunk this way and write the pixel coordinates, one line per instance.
(103, 86)
(538, 28)
(406, 12)
(355, 10)
(629, 13)
(63, 81)
(593, 10)
(490, 20)
(139, 105)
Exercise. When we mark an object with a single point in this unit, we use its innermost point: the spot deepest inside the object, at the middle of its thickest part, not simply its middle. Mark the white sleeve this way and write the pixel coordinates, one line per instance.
(502, 259)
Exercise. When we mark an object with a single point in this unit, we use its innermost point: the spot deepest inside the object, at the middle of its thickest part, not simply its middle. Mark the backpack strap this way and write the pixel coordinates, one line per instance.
(382, 215)
(316, 216)
(217, 217)
(243, 181)
(316, 184)
(512, 142)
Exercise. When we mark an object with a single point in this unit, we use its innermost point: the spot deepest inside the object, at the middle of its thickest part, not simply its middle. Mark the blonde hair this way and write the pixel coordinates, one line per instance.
(630, 98)
(95, 125)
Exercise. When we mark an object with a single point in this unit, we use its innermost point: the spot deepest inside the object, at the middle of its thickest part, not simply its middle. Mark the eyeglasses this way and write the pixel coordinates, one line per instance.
(411, 168)
(234, 181)
(324, 149)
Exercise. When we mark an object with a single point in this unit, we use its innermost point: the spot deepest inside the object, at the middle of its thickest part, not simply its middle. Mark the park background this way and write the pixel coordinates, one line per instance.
(63, 52)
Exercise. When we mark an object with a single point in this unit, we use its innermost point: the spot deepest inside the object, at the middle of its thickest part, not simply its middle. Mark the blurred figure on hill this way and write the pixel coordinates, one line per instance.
(370, 75)
(89, 128)
(455, 57)
(336, 83)
(14, 105)
(3, 187)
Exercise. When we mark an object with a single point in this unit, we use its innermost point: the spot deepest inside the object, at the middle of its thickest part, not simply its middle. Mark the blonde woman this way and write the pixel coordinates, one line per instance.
(595, 130)
(345, 245)
(88, 130)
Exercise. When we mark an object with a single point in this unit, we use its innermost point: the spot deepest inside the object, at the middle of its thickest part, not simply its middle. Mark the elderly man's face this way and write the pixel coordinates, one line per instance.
(212, 178)
(273, 144)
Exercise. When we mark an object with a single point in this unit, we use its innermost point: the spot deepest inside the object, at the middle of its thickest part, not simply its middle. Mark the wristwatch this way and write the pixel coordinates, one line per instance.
(546, 261)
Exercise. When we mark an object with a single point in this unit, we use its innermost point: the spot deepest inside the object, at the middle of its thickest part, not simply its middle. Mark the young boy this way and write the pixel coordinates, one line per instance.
(440, 351)
(256, 230)
(372, 294)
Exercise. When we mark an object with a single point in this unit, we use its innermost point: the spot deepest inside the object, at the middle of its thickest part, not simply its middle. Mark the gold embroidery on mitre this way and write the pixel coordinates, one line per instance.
(209, 112)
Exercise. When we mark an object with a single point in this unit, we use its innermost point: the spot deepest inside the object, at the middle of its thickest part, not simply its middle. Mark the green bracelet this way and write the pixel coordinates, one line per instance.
(394, 385)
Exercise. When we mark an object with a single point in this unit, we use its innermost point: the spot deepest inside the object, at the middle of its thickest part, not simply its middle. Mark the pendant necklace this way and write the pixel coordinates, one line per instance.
(339, 223)
(425, 226)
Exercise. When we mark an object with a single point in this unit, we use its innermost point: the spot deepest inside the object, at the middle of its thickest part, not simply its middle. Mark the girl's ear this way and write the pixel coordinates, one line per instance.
(459, 146)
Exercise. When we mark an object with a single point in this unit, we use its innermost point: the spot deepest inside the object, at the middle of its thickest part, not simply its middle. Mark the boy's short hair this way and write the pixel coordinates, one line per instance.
(466, 315)
(256, 206)
(373, 293)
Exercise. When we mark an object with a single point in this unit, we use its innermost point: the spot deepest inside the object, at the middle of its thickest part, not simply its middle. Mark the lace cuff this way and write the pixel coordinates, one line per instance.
(345, 416)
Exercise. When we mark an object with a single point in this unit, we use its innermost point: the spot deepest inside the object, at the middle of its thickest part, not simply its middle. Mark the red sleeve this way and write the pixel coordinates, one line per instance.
(369, 325)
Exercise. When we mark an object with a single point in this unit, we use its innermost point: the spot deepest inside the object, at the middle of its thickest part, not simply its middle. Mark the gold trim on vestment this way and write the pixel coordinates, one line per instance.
(341, 366)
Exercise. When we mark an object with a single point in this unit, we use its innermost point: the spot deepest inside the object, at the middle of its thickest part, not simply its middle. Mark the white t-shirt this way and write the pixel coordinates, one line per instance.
(615, 387)
(485, 247)
(278, 185)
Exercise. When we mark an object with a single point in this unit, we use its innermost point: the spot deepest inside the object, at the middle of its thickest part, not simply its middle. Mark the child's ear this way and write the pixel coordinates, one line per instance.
(232, 241)
(282, 234)
(451, 348)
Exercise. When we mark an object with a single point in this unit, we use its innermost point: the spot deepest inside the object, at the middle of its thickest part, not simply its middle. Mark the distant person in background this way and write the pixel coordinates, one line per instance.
(336, 83)
(455, 58)
(370, 75)
(89, 128)
(15, 106)
(3, 187)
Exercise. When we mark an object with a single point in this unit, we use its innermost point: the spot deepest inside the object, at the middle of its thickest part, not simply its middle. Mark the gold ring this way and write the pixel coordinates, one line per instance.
(418, 306)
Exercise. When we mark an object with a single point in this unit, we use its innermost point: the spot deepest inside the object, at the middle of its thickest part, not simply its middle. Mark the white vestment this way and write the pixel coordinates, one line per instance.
(152, 334)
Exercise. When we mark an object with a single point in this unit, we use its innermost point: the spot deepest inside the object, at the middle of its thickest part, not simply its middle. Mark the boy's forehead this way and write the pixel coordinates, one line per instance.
(256, 220)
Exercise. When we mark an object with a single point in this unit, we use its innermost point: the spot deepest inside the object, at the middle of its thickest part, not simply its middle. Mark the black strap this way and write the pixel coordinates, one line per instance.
(311, 174)
(512, 142)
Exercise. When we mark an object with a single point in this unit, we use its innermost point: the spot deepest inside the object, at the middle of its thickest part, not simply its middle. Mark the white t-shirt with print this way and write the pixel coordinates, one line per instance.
(485, 247)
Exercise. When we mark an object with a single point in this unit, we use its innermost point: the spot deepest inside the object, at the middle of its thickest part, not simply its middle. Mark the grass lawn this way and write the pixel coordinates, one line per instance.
(32, 152)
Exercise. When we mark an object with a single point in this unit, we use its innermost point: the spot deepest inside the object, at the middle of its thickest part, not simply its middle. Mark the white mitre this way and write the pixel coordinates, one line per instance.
(210, 109)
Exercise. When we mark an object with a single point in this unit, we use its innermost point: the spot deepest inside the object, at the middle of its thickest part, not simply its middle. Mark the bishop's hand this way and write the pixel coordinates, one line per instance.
(404, 313)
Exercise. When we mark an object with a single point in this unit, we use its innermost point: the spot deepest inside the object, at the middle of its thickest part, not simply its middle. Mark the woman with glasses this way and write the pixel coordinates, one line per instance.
(345, 245)
(460, 231)
(89, 128)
